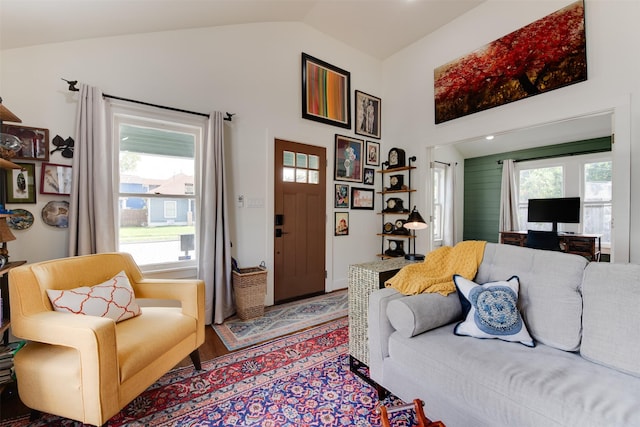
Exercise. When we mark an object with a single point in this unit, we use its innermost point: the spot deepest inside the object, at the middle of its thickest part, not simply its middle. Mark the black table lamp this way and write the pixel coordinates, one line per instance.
(414, 222)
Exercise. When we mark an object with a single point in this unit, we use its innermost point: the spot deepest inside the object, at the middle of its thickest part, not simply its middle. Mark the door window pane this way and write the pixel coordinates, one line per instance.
(301, 160)
(288, 174)
(301, 175)
(288, 158)
(314, 162)
(314, 177)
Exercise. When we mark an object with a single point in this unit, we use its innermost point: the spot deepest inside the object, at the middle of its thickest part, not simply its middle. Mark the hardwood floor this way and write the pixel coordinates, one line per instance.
(213, 347)
(11, 406)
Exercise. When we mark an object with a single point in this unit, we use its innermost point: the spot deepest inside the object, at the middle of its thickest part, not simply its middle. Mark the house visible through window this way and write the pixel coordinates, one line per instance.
(157, 190)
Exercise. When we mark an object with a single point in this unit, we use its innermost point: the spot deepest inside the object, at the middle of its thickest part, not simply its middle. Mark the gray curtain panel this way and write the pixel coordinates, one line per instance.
(92, 215)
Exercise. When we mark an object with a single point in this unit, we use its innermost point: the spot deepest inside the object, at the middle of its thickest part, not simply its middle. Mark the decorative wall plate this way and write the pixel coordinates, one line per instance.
(21, 219)
(56, 214)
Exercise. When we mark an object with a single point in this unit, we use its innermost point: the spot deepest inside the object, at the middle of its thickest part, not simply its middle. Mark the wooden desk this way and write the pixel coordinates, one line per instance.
(587, 245)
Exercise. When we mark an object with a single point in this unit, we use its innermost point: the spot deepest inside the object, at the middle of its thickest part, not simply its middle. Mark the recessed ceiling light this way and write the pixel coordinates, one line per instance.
(489, 137)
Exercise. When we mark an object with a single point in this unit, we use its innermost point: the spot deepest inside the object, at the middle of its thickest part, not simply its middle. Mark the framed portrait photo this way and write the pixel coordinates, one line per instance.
(362, 198)
(341, 224)
(369, 176)
(342, 196)
(368, 115)
(21, 184)
(55, 179)
(34, 142)
(373, 153)
(348, 159)
(326, 92)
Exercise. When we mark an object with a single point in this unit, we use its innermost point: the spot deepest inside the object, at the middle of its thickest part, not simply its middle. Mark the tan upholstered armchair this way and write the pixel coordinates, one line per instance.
(88, 368)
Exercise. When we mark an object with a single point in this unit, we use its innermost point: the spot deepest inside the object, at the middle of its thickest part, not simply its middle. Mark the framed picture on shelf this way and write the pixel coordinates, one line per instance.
(326, 92)
(341, 224)
(362, 198)
(373, 153)
(368, 111)
(34, 142)
(369, 176)
(55, 179)
(348, 159)
(21, 184)
(342, 196)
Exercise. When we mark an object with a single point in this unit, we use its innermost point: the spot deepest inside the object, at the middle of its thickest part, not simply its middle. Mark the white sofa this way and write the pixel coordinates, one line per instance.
(584, 370)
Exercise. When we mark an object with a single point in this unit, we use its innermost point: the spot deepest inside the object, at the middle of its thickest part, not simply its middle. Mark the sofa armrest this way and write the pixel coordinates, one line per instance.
(94, 337)
(190, 293)
(379, 329)
(415, 314)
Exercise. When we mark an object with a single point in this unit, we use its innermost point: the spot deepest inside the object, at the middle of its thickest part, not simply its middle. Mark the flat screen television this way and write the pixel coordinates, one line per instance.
(563, 209)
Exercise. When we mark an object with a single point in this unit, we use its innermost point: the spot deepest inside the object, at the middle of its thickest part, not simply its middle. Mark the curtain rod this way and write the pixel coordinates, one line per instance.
(552, 156)
(73, 88)
(442, 163)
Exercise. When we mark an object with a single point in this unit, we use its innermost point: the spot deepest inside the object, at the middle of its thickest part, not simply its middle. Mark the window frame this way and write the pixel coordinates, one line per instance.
(121, 113)
(441, 191)
(573, 181)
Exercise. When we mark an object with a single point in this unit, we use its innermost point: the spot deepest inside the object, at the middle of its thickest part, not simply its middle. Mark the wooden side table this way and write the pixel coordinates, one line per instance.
(363, 280)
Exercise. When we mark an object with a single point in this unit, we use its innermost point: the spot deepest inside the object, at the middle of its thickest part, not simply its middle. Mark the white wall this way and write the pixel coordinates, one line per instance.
(251, 70)
(613, 70)
(254, 71)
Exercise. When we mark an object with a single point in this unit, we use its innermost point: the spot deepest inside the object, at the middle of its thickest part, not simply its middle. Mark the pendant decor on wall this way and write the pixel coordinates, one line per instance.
(56, 214)
(545, 55)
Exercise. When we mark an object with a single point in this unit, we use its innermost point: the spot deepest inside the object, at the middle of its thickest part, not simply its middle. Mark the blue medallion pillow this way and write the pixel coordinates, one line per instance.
(491, 311)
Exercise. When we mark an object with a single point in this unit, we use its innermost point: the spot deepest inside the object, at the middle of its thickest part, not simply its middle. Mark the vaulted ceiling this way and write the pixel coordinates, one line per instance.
(377, 27)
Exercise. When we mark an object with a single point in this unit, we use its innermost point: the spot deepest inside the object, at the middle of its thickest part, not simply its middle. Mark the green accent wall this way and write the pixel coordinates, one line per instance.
(483, 177)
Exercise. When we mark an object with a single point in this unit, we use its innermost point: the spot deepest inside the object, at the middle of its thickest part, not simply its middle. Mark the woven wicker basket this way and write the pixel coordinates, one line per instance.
(250, 288)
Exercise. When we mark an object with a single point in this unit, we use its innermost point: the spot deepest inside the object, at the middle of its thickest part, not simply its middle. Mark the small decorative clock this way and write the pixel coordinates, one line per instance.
(396, 182)
(396, 248)
(397, 158)
(399, 227)
(388, 228)
(394, 204)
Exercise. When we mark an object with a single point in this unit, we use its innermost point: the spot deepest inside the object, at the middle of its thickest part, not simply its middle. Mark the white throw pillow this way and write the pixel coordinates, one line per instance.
(492, 311)
(113, 298)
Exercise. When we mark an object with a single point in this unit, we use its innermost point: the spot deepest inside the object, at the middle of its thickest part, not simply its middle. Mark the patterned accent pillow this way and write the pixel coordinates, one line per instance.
(493, 311)
(113, 298)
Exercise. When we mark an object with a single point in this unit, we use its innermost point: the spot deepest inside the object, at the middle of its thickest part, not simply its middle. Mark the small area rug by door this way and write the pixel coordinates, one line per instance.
(280, 320)
(299, 380)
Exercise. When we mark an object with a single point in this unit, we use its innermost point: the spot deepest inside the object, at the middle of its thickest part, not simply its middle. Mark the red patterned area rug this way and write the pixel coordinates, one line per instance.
(299, 380)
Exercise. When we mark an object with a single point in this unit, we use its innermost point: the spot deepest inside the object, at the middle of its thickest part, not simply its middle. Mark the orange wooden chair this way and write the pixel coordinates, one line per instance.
(417, 405)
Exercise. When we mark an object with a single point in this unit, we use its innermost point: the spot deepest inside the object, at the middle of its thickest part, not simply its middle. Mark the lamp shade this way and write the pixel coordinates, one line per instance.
(5, 232)
(415, 221)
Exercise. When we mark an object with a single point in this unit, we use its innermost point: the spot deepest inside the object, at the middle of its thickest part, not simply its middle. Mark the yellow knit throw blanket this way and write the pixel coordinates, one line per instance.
(435, 274)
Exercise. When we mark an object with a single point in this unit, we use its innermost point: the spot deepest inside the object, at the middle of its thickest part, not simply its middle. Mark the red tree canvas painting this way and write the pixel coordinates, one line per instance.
(545, 55)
